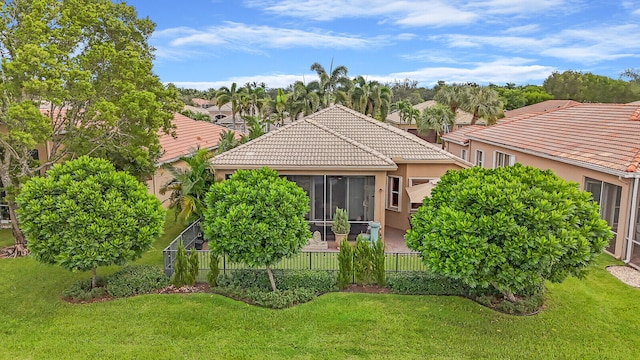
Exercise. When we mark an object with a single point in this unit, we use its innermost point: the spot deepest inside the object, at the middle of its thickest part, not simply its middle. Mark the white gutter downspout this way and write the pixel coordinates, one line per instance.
(632, 219)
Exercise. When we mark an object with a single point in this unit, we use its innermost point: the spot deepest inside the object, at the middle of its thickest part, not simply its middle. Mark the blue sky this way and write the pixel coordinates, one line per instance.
(211, 43)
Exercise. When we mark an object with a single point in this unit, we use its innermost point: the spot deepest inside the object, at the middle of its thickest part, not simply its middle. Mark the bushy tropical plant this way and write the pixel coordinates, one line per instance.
(511, 228)
(256, 217)
(84, 214)
(363, 261)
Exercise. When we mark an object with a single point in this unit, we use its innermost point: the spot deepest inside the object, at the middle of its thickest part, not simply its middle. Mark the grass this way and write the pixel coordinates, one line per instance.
(594, 318)
(6, 238)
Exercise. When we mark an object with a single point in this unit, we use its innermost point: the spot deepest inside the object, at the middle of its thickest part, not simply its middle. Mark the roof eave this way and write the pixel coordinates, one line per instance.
(603, 169)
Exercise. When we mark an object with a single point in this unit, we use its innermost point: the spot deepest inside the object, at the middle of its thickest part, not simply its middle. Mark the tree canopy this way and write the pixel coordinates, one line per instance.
(257, 218)
(84, 214)
(587, 87)
(511, 228)
(77, 75)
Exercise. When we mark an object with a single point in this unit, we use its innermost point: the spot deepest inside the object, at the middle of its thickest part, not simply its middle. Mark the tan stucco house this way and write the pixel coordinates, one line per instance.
(595, 145)
(190, 135)
(344, 159)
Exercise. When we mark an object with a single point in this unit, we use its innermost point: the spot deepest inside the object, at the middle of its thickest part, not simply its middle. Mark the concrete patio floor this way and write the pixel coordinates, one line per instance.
(393, 239)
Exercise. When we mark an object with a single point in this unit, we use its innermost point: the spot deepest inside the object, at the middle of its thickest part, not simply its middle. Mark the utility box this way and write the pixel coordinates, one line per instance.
(374, 230)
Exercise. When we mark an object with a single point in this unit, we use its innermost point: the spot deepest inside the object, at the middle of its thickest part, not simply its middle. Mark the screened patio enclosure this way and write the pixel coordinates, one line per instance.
(355, 194)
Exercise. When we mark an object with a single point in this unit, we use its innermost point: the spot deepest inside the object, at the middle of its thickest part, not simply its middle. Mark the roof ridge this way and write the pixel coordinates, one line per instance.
(258, 139)
(350, 140)
(398, 131)
(634, 165)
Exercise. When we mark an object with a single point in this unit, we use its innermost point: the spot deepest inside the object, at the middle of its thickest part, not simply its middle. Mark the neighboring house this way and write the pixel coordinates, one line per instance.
(541, 107)
(221, 115)
(191, 135)
(344, 159)
(197, 110)
(201, 103)
(463, 118)
(595, 145)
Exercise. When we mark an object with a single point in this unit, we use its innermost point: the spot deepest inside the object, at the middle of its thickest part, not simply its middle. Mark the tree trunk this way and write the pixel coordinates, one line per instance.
(273, 282)
(18, 235)
(94, 278)
(509, 295)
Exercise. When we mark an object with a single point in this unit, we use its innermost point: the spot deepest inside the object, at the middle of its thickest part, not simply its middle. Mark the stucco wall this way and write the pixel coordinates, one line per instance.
(160, 178)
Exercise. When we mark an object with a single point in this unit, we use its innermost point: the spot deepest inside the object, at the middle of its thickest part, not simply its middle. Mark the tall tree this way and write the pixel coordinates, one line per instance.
(329, 81)
(234, 96)
(587, 87)
(109, 216)
(450, 95)
(256, 217)
(438, 118)
(189, 185)
(76, 75)
(482, 102)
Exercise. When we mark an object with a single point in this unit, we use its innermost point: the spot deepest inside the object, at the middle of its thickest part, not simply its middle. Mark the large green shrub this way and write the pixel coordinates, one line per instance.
(345, 264)
(136, 279)
(82, 290)
(257, 218)
(180, 275)
(511, 228)
(84, 214)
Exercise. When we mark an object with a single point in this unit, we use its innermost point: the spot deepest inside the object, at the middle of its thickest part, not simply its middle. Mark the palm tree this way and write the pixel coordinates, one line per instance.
(450, 95)
(482, 102)
(189, 186)
(307, 95)
(329, 81)
(227, 141)
(231, 95)
(402, 107)
(438, 118)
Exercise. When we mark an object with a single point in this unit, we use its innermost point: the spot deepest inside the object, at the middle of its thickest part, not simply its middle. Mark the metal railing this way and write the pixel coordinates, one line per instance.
(188, 238)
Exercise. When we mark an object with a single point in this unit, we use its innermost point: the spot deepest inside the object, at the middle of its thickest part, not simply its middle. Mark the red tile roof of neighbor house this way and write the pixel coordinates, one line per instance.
(190, 135)
(542, 107)
(459, 136)
(601, 135)
(200, 102)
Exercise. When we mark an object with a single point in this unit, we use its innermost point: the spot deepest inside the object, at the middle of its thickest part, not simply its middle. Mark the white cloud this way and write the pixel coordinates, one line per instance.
(272, 81)
(521, 30)
(587, 46)
(254, 37)
(410, 12)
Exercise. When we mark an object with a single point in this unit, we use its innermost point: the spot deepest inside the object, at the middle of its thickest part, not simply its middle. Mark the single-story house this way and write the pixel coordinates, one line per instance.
(344, 159)
(191, 135)
(595, 145)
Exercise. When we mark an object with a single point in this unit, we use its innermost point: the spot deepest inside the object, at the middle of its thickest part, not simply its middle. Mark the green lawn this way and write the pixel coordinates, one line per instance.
(595, 318)
(6, 238)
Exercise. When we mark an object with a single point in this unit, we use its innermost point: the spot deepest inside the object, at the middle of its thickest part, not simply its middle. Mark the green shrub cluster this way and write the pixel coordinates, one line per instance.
(267, 298)
(362, 262)
(136, 279)
(82, 291)
(345, 264)
(315, 280)
(186, 268)
(425, 283)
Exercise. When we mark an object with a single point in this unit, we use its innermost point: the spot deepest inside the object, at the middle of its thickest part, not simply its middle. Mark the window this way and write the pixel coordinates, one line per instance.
(393, 192)
(501, 159)
(608, 196)
(464, 154)
(413, 181)
(479, 158)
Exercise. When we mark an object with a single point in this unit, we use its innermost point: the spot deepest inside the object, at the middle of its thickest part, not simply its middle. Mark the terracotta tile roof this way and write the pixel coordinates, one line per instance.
(190, 134)
(542, 107)
(459, 136)
(201, 102)
(334, 138)
(197, 110)
(601, 135)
